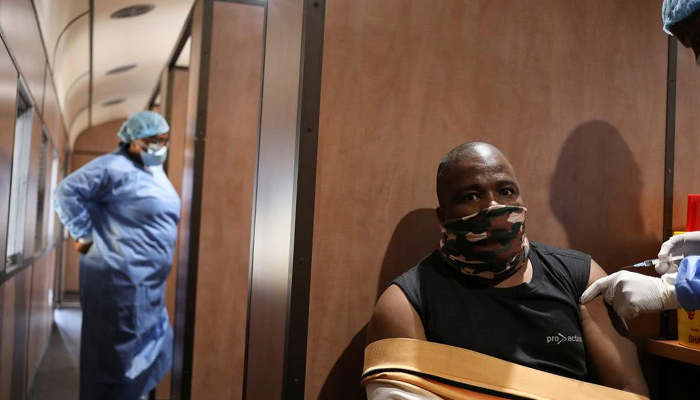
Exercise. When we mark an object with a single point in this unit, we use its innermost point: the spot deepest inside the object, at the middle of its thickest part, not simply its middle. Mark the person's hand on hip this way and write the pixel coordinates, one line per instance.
(82, 246)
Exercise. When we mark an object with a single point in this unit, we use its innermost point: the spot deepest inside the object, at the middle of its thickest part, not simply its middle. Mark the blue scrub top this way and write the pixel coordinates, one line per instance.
(688, 283)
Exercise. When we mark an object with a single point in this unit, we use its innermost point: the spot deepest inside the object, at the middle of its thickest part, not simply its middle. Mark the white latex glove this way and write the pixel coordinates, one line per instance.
(687, 244)
(631, 294)
(393, 390)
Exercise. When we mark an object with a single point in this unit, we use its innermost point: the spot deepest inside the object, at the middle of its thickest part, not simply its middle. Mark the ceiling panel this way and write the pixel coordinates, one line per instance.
(146, 40)
(55, 16)
(71, 69)
(77, 100)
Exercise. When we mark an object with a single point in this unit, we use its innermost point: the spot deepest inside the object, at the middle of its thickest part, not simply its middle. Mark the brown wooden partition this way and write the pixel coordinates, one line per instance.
(573, 92)
(41, 311)
(686, 178)
(175, 82)
(98, 140)
(15, 298)
(219, 163)
(685, 166)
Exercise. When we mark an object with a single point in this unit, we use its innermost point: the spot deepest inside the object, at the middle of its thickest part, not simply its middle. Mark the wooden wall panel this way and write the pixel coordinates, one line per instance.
(573, 92)
(70, 268)
(7, 336)
(178, 123)
(686, 177)
(183, 347)
(41, 315)
(20, 324)
(687, 162)
(177, 112)
(8, 83)
(99, 139)
(70, 278)
(20, 28)
(229, 174)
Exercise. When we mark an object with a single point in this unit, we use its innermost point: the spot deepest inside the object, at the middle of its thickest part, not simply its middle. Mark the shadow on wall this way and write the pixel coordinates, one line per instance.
(416, 235)
(596, 195)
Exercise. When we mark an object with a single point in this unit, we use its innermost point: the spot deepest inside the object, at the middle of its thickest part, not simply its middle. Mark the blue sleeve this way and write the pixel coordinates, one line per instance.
(72, 195)
(688, 283)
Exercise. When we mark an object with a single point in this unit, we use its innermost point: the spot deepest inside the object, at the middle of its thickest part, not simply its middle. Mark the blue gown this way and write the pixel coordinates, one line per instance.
(132, 213)
(688, 283)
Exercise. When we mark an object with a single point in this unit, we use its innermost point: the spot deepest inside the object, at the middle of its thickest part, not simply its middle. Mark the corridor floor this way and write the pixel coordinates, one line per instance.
(57, 377)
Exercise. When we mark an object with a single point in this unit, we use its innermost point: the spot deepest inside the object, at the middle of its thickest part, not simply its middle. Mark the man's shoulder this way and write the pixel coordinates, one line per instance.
(418, 271)
(549, 250)
(566, 266)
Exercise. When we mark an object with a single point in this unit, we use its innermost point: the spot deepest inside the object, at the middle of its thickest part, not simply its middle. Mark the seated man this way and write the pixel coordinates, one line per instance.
(488, 289)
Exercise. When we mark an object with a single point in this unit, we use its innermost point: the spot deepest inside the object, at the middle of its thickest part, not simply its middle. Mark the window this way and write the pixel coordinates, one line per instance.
(52, 182)
(19, 183)
(41, 228)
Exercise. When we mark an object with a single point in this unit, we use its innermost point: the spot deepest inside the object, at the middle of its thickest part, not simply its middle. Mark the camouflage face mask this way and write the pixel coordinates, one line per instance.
(490, 244)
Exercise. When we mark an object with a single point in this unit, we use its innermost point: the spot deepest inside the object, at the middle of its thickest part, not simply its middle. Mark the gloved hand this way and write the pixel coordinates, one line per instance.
(687, 244)
(631, 294)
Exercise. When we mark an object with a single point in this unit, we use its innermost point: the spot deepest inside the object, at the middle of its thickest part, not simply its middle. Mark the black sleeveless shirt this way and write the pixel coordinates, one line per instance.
(534, 324)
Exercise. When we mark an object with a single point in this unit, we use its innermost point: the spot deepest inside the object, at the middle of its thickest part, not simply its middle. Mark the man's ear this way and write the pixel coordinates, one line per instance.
(440, 212)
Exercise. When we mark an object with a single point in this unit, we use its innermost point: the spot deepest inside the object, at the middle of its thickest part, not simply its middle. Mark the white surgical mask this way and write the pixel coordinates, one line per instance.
(155, 155)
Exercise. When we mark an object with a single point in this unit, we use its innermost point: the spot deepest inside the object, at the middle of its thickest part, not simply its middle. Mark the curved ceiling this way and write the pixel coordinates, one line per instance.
(89, 94)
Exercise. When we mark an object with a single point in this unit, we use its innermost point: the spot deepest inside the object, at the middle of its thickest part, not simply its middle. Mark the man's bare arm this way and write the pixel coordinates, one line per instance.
(611, 355)
(394, 317)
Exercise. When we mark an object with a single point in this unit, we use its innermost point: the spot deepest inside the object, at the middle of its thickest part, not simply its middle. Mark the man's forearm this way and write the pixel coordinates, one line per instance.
(612, 357)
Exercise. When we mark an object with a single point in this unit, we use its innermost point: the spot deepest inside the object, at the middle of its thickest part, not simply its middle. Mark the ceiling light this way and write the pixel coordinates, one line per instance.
(121, 69)
(113, 102)
(133, 11)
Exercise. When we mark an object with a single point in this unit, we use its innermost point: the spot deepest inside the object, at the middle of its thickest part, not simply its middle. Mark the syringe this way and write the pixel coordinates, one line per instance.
(656, 261)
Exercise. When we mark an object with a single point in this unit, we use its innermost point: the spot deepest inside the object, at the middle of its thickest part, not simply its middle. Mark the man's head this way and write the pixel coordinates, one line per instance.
(474, 176)
(682, 19)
